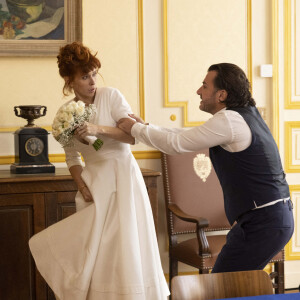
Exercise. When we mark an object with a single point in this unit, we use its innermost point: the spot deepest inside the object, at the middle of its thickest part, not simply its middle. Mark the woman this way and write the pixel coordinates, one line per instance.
(108, 249)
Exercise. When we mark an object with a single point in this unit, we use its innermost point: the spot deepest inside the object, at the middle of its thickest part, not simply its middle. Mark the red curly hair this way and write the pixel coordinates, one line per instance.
(74, 58)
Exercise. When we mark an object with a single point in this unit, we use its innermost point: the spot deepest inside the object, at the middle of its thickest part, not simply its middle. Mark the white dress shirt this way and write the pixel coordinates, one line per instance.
(226, 128)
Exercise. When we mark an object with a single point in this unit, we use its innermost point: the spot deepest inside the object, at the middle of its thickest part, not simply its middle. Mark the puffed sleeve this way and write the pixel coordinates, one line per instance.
(73, 157)
(119, 106)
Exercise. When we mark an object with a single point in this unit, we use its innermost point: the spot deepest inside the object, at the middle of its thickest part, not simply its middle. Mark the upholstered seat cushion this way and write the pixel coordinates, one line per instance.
(187, 251)
(278, 257)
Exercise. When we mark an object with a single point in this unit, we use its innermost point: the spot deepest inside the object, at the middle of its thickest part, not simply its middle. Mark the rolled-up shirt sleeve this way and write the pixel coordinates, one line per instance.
(73, 157)
(216, 131)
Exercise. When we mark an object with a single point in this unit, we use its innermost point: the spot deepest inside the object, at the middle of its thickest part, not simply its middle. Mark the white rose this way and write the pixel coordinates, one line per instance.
(70, 118)
(54, 132)
(80, 110)
(66, 125)
(63, 116)
(71, 107)
(56, 124)
(57, 132)
(81, 104)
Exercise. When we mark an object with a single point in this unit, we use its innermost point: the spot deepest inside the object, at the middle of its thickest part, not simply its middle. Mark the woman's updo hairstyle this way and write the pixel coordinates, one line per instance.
(74, 58)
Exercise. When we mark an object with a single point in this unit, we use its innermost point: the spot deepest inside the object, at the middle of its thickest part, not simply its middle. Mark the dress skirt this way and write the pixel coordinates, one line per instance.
(108, 249)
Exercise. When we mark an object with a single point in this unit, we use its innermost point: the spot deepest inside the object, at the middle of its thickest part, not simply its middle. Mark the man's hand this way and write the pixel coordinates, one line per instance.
(138, 119)
(126, 124)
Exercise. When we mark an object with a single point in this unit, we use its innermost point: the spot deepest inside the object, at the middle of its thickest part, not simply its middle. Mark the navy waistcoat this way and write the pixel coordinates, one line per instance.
(251, 177)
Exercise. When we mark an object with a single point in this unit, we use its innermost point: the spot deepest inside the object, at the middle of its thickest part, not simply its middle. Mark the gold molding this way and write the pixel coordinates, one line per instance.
(60, 158)
(57, 158)
(167, 103)
(184, 104)
(53, 158)
(275, 79)
(288, 103)
(13, 129)
(141, 71)
(289, 167)
(290, 255)
(141, 59)
(287, 52)
(153, 154)
(249, 41)
(7, 159)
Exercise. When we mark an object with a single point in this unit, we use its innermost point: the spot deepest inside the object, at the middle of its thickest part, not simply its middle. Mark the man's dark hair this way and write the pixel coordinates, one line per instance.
(233, 79)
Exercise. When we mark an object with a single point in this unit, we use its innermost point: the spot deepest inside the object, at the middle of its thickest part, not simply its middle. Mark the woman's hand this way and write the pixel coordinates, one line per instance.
(76, 171)
(86, 194)
(87, 129)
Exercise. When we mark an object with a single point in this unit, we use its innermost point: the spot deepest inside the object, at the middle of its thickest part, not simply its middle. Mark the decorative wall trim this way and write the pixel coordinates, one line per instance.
(60, 158)
(249, 40)
(8, 159)
(147, 154)
(184, 104)
(291, 147)
(141, 59)
(13, 129)
(290, 254)
(275, 58)
(289, 104)
(141, 71)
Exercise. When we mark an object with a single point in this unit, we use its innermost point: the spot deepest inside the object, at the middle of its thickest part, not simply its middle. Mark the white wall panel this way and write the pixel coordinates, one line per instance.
(199, 33)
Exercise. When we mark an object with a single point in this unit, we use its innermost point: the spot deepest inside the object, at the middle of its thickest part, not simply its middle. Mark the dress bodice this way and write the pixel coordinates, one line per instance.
(111, 106)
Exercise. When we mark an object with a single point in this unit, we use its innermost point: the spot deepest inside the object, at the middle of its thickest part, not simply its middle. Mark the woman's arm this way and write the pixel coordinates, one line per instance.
(112, 132)
(82, 188)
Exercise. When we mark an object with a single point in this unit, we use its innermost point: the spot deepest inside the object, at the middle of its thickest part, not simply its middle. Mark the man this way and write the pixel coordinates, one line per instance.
(247, 162)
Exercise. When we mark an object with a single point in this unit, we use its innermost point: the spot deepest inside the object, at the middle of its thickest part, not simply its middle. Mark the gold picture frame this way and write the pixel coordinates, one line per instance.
(71, 31)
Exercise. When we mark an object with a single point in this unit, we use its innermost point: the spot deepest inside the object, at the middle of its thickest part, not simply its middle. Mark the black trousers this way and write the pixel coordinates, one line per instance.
(256, 238)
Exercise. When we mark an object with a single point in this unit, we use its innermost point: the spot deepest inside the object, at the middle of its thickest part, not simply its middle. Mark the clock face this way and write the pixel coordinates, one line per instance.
(34, 146)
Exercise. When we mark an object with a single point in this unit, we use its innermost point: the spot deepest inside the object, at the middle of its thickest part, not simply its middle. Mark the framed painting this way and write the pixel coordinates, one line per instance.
(38, 27)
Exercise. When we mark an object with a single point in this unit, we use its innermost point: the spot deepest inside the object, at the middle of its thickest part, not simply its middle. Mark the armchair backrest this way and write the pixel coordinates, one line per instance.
(191, 182)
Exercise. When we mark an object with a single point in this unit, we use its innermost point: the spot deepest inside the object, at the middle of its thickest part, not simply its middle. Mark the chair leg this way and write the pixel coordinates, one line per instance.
(279, 279)
(203, 271)
(173, 271)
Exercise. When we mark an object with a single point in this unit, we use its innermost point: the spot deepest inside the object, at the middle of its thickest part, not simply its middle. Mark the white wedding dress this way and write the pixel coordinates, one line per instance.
(108, 249)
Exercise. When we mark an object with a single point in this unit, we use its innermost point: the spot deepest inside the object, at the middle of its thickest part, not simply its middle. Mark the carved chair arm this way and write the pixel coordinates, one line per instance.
(178, 212)
(201, 223)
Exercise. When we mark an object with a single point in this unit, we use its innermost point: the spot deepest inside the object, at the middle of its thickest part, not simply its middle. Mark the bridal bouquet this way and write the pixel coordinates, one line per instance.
(68, 118)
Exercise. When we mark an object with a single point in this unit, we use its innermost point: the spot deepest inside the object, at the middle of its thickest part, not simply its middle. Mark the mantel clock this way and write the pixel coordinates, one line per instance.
(31, 143)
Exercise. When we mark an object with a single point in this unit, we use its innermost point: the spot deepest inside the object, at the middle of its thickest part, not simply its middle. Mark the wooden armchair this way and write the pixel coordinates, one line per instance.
(194, 204)
(221, 285)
